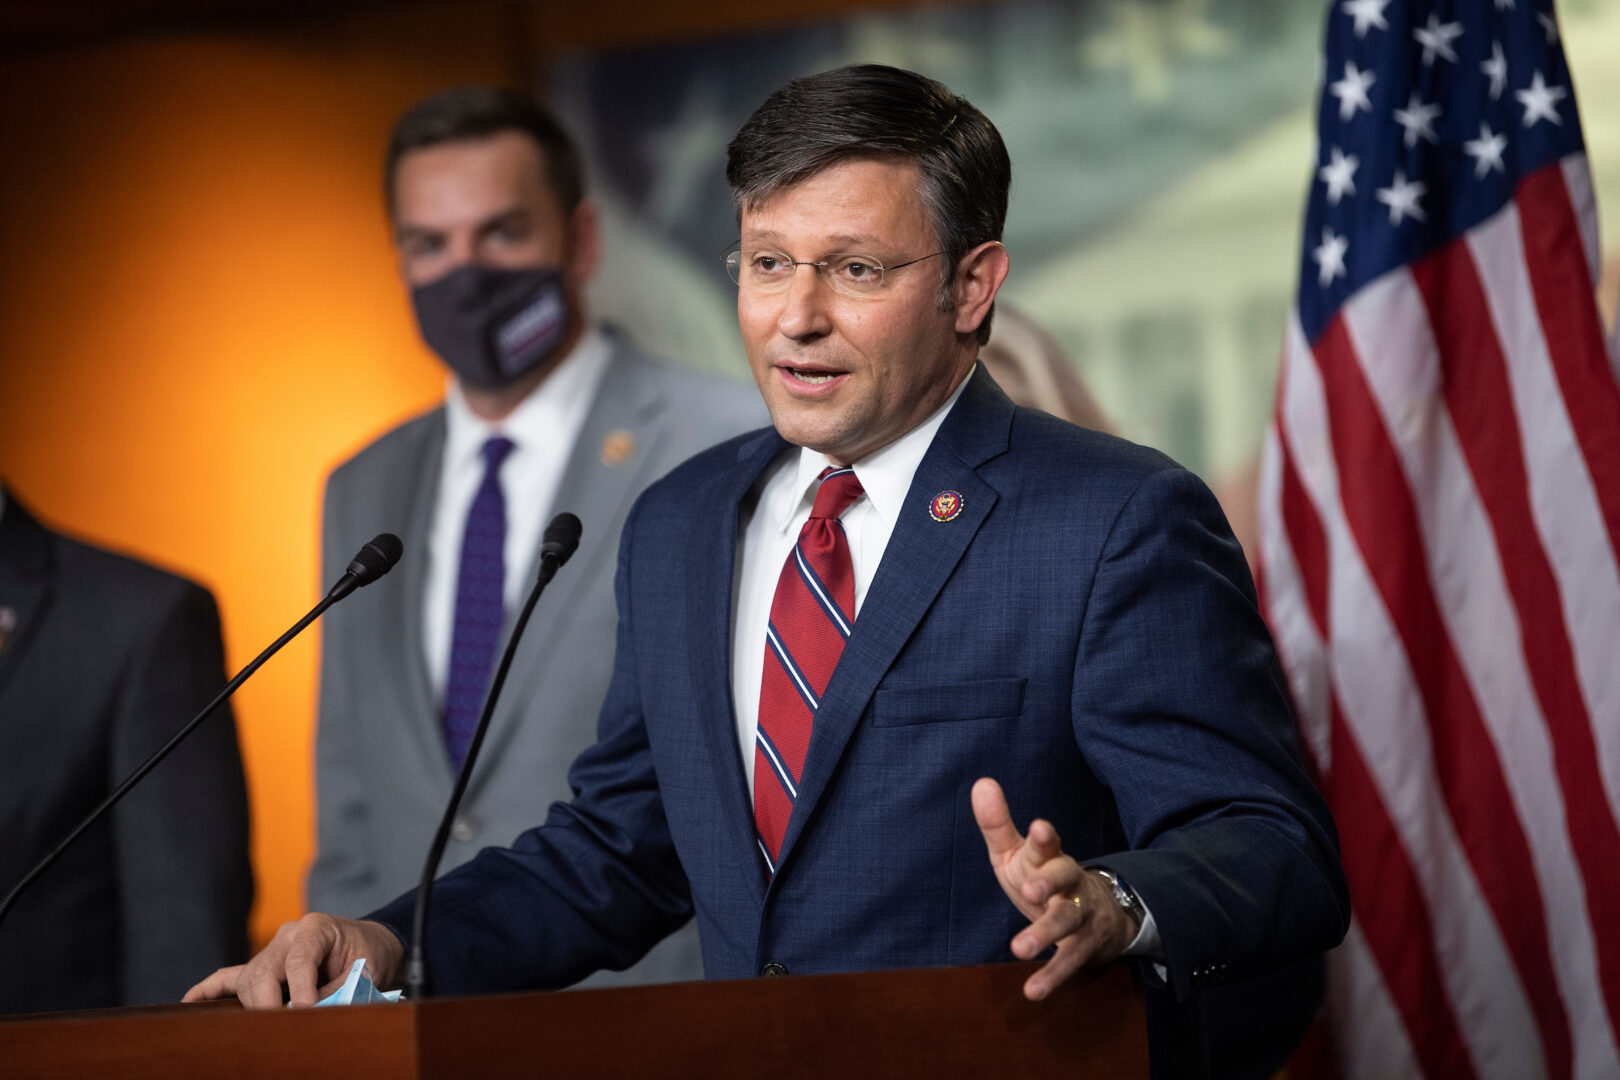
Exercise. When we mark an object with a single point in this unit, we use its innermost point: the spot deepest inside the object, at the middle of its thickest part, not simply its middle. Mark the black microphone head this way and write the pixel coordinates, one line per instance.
(561, 537)
(376, 558)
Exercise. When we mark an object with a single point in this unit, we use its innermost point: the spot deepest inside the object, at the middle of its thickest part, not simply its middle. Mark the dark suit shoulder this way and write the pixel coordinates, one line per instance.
(113, 603)
(1065, 459)
(84, 566)
(687, 496)
(104, 592)
(1034, 431)
(713, 463)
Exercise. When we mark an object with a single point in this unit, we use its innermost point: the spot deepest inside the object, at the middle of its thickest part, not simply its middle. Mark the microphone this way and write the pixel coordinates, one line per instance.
(374, 560)
(369, 563)
(561, 539)
(557, 545)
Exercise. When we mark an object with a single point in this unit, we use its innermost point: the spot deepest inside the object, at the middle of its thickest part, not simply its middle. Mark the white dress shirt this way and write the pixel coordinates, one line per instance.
(787, 491)
(543, 429)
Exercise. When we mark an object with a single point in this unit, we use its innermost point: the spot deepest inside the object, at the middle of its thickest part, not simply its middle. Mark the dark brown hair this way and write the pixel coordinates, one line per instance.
(873, 111)
(474, 112)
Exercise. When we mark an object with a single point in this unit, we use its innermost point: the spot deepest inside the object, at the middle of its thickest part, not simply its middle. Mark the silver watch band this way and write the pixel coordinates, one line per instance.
(1124, 895)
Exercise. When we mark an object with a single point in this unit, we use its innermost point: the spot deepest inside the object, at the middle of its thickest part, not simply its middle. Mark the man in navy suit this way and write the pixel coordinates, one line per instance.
(1025, 600)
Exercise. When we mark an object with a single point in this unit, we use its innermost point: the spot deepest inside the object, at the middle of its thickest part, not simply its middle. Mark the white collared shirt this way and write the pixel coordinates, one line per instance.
(787, 491)
(543, 428)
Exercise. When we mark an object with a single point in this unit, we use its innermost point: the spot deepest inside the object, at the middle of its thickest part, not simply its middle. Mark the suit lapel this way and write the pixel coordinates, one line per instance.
(600, 493)
(26, 574)
(711, 570)
(414, 501)
(921, 556)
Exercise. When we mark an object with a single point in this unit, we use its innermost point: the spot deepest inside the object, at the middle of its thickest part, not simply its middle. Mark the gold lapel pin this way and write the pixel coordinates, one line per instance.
(618, 447)
(946, 505)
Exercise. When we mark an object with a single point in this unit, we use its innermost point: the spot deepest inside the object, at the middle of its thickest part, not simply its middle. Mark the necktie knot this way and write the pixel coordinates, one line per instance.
(839, 488)
(494, 450)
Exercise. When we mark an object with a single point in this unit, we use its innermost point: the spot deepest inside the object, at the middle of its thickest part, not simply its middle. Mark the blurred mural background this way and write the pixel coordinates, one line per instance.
(198, 308)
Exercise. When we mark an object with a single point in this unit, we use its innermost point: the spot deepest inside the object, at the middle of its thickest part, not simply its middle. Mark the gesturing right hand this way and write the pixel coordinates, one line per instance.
(311, 958)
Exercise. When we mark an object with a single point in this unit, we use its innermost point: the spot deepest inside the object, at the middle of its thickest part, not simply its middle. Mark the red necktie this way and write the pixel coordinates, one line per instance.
(811, 616)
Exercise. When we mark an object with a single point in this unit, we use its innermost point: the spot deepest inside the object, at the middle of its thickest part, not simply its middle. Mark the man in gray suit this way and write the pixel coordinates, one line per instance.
(543, 413)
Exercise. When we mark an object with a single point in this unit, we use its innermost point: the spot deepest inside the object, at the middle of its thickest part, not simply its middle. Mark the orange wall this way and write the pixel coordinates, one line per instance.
(199, 317)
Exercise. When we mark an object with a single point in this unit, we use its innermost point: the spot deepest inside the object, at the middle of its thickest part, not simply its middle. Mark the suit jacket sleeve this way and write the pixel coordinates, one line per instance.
(343, 867)
(181, 837)
(1180, 706)
(595, 887)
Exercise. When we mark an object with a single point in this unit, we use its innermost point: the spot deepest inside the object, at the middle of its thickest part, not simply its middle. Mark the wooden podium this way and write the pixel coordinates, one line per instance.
(970, 1021)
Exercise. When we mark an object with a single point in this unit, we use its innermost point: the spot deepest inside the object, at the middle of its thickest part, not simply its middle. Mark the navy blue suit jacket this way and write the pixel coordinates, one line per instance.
(1085, 631)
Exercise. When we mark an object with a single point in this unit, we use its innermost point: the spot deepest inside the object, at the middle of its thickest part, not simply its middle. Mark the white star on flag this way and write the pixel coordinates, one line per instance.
(1339, 175)
(1540, 101)
(1504, 5)
(1329, 257)
(1418, 120)
(1486, 151)
(1496, 68)
(1367, 13)
(1352, 90)
(1551, 26)
(1402, 198)
(1436, 39)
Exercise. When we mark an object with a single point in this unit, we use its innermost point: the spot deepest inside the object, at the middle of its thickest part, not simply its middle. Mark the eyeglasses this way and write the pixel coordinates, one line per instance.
(860, 276)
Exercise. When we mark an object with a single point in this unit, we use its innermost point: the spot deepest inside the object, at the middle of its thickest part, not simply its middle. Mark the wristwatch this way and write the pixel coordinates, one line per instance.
(1124, 895)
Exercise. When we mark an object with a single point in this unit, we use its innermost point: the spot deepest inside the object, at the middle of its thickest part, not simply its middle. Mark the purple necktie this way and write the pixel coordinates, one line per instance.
(480, 605)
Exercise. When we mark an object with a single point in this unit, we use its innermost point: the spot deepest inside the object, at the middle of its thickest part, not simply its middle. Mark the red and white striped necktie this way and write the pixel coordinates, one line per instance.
(811, 616)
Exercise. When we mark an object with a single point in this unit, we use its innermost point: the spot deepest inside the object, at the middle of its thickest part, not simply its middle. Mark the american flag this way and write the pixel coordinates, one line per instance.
(1440, 520)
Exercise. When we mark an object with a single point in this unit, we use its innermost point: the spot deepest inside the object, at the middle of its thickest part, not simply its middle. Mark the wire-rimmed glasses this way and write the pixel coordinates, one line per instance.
(767, 271)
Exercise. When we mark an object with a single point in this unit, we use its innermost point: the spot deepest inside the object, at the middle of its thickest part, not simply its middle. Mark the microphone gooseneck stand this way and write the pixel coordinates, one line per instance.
(560, 539)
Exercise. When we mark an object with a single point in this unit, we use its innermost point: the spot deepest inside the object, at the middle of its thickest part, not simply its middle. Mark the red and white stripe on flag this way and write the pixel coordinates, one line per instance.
(1440, 548)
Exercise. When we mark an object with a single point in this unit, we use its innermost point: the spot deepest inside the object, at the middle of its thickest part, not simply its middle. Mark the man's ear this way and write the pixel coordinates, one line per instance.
(586, 246)
(979, 275)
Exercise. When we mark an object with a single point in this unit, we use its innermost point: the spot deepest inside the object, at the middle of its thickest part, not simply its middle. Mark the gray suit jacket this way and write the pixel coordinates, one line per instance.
(382, 775)
(102, 659)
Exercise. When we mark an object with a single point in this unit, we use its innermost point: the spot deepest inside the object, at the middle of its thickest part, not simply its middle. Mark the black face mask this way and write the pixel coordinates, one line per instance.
(492, 327)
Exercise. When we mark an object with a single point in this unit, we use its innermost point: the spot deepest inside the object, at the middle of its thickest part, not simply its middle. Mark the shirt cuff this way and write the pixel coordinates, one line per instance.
(1147, 946)
(1146, 942)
